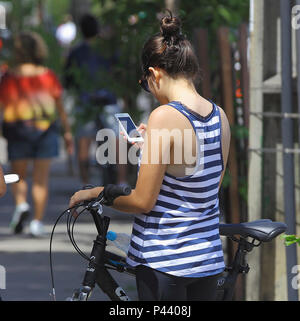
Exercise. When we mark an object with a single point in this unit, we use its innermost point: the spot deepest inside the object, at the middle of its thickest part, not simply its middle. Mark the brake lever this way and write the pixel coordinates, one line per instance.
(95, 204)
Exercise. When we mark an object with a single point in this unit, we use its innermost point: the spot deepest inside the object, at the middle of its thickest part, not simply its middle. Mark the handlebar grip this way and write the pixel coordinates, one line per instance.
(113, 191)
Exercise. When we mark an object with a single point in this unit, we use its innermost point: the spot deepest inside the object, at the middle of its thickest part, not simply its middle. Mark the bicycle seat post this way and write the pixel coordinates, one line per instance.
(239, 265)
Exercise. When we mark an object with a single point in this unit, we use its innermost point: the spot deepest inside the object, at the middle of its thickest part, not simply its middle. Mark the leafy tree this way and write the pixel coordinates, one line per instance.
(133, 21)
(128, 24)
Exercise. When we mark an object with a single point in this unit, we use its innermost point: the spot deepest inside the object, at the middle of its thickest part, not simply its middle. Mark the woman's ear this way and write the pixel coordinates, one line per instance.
(155, 73)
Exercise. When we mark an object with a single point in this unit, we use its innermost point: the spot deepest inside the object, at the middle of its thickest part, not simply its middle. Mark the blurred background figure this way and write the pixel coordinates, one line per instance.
(2, 183)
(95, 106)
(30, 96)
(66, 32)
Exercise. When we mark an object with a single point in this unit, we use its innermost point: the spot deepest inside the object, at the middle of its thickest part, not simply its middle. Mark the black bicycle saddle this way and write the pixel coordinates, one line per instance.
(262, 230)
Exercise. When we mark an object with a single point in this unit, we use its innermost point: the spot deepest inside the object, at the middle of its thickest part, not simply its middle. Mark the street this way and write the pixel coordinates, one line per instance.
(26, 260)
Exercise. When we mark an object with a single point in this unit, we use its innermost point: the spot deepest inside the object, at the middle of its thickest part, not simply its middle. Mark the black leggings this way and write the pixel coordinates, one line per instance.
(153, 285)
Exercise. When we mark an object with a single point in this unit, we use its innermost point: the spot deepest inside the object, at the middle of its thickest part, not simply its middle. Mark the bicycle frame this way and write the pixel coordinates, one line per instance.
(96, 272)
(226, 283)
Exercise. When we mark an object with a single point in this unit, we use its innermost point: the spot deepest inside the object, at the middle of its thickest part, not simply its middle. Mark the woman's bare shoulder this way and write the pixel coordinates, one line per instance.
(29, 70)
(168, 117)
(162, 110)
(162, 114)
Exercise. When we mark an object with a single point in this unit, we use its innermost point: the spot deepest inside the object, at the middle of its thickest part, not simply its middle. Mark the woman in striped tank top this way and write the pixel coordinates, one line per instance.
(175, 244)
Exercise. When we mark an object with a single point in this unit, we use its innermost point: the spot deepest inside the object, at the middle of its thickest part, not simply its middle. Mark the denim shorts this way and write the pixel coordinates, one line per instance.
(45, 146)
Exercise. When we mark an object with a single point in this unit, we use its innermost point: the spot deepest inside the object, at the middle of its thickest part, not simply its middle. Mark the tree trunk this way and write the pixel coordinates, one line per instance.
(172, 5)
(228, 105)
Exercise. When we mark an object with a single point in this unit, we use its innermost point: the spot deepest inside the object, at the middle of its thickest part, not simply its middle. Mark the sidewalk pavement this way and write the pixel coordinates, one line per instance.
(26, 259)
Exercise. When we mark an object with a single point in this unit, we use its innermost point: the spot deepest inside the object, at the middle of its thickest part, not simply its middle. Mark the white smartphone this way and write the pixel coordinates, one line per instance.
(129, 128)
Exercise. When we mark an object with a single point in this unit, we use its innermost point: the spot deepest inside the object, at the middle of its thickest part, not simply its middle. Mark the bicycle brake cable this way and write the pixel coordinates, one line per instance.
(50, 248)
(71, 235)
(70, 232)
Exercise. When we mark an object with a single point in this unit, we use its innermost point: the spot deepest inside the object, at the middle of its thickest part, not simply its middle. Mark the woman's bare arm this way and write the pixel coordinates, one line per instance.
(151, 174)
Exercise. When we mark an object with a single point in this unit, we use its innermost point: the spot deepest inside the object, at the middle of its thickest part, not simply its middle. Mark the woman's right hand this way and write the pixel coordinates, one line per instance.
(85, 195)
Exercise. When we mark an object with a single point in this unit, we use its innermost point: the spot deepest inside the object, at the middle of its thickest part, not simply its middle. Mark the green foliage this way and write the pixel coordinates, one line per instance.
(212, 14)
(130, 23)
(239, 132)
(226, 179)
(243, 188)
(242, 185)
(290, 239)
(128, 38)
(20, 10)
(58, 9)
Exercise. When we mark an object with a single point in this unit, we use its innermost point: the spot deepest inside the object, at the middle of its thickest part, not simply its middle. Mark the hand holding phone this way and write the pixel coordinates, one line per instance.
(128, 128)
(142, 130)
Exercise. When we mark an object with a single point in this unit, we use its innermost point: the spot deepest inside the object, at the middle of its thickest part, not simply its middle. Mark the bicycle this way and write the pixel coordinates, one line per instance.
(251, 234)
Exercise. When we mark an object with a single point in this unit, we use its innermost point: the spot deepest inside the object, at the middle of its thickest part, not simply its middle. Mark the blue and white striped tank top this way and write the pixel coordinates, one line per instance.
(180, 235)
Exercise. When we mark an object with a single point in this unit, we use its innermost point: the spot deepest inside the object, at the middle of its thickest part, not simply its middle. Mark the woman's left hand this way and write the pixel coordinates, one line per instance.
(85, 195)
(142, 130)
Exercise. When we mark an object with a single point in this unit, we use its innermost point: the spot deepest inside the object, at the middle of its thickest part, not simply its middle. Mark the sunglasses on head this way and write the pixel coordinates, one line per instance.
(144, 84)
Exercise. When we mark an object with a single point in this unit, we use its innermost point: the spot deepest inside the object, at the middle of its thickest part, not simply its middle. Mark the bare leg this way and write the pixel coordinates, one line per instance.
(40, 186)
(20, 190)
(20, 195)
(84, 144)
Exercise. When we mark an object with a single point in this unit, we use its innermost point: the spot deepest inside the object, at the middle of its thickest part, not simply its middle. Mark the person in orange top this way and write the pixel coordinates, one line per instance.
(30, 97)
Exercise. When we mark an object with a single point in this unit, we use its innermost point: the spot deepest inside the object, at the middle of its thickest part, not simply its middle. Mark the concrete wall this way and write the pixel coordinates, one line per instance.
(267, 277)
(280, 257)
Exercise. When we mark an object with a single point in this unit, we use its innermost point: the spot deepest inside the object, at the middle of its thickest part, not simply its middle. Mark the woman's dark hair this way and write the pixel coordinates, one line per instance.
(30, 47)
(170, 51)
(89, 26)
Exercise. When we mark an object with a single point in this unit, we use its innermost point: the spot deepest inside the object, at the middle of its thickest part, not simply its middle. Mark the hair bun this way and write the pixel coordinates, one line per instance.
(170, 26)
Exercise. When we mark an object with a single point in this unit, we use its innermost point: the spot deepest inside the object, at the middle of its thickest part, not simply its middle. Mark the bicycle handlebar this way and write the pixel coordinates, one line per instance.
(108, 195)
(111, 192)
